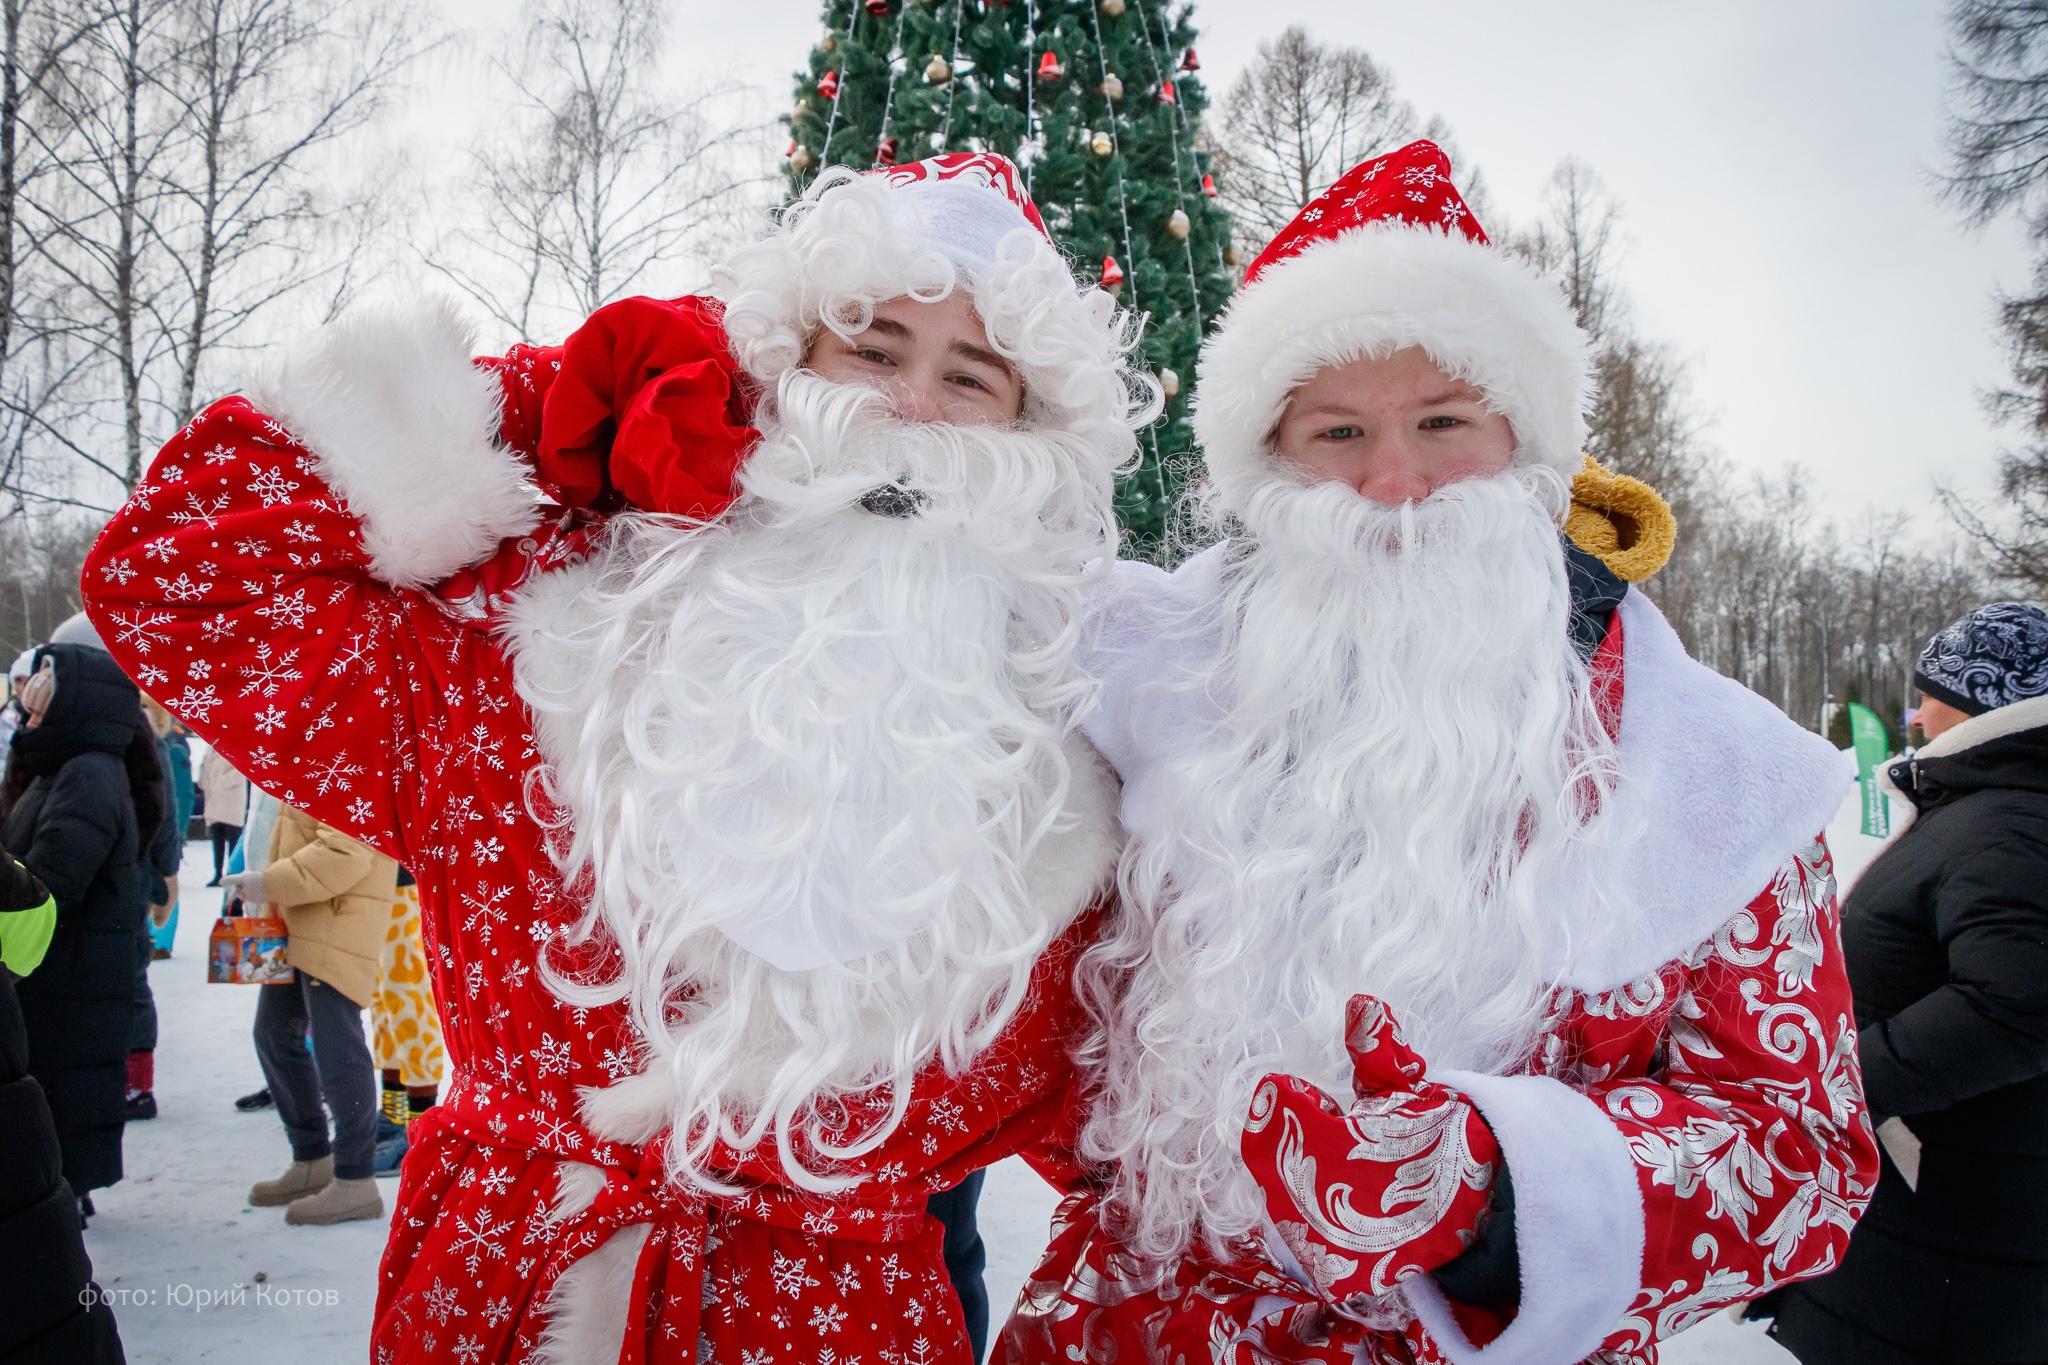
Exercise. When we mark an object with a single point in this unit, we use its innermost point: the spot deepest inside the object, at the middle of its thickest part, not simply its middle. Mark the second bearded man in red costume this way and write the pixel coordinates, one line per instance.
(1475, 994)
(754, 833)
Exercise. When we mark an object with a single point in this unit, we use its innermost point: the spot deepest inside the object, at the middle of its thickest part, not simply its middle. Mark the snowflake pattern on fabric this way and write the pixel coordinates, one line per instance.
(1411, 185)
(1731, 1074)
(391, 715)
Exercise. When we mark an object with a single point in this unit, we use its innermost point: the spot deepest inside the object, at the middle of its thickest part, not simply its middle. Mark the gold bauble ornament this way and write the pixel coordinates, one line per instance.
(800, 160)
(1169, 383)
(939, 71)
(1177, 224)
(1112, 7)
(1101, 144)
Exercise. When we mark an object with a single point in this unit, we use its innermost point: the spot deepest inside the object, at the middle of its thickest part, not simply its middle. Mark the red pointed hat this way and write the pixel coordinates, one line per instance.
(1388, 257)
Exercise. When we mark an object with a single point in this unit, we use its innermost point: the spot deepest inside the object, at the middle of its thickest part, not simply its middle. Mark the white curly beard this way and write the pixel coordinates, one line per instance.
(833, 738)
(1409, 741)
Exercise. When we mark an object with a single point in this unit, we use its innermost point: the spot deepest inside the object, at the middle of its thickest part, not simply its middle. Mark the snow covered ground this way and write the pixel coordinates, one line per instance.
(198, 1275)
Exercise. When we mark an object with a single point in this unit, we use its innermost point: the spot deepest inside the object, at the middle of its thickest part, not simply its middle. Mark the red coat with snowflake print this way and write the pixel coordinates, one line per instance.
(1680, 1143)
(236, 585)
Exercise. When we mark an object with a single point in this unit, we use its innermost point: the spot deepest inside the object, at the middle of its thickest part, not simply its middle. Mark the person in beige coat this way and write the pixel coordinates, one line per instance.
(227, 805)
(334, 895)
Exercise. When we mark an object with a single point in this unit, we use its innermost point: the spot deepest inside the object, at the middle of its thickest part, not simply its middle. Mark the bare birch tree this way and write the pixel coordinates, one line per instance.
(601, 182)
(267, 91)
(1303, 113)
(196, 184)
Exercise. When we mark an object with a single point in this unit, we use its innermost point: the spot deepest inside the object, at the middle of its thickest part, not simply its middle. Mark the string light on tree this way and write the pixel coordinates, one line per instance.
(1117, 180)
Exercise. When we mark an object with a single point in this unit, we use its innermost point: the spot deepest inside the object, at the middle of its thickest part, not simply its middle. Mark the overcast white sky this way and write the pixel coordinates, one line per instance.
(1773, 158)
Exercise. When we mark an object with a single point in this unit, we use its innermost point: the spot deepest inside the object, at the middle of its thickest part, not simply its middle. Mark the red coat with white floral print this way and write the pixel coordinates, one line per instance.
(1685, 1140)
(236, 585)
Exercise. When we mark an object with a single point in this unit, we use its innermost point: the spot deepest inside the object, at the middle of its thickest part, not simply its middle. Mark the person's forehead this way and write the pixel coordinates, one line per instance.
(958, 326)
(1407, 376)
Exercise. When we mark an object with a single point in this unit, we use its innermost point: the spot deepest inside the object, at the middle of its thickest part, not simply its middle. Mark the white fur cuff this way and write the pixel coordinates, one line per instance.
(404, 428)
(1578, 1224)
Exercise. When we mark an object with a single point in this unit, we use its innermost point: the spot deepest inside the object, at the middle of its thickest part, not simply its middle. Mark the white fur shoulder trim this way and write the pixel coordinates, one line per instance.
(1579, 1224)
(1719, 788)
(404, 428)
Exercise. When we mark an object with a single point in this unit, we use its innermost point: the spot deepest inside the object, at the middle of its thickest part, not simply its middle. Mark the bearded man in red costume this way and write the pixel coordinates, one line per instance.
(1476, 994)
(754, 834)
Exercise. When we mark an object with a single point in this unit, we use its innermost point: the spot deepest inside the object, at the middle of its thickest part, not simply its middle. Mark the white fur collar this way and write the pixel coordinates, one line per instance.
(1993, 724)
(1718, 787)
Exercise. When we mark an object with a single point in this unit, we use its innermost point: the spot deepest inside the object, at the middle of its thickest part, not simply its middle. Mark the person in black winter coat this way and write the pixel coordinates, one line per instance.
(82, 779)
(50, 1309)
(1946, 937)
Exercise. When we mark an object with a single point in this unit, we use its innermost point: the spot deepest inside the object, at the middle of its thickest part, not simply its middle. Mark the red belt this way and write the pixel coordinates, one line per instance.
(668, 1278)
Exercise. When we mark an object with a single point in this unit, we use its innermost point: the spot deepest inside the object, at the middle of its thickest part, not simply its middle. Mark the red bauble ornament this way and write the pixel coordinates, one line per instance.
(1112, 273)
(1191, 62)
(885, 155)
(1166, 95)
(828, 88)
(1049, 67)
(1209, 186)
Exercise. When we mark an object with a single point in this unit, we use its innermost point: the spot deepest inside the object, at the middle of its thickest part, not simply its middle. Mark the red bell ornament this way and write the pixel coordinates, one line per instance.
(828, 88)
(1191, 62)
(1049, 67)
(1112, 273)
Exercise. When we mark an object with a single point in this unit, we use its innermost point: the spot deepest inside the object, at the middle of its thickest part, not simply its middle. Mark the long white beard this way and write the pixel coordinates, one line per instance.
(847, 729)
(1409, 741)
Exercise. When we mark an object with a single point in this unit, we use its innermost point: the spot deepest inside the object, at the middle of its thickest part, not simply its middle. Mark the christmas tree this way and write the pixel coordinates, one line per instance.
(1098, 102)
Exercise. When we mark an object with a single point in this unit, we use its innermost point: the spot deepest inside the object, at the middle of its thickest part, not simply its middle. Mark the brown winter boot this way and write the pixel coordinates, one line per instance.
(343, 1201)
(302, 1178)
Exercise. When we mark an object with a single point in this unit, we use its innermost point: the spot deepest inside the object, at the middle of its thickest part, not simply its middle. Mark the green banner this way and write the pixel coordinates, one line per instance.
(1872, 749)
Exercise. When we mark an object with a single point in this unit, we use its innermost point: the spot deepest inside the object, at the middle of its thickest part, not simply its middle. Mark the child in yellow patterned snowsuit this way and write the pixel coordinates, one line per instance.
(406, 1030)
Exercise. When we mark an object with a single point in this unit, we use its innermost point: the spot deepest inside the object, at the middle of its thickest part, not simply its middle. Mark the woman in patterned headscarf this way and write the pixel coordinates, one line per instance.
(1947, 942)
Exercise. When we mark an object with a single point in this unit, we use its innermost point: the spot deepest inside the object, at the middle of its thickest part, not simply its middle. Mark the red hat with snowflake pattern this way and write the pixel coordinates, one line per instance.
(1390, 256)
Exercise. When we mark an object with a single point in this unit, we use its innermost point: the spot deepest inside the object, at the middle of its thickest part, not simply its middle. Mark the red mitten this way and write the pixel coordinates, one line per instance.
(1391, 1188)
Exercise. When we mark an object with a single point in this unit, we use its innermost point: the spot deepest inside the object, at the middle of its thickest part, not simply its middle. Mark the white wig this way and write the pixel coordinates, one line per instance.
(853, 241)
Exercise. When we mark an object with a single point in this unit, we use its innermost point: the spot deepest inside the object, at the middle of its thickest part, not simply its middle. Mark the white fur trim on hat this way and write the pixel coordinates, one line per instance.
(1480, 313)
